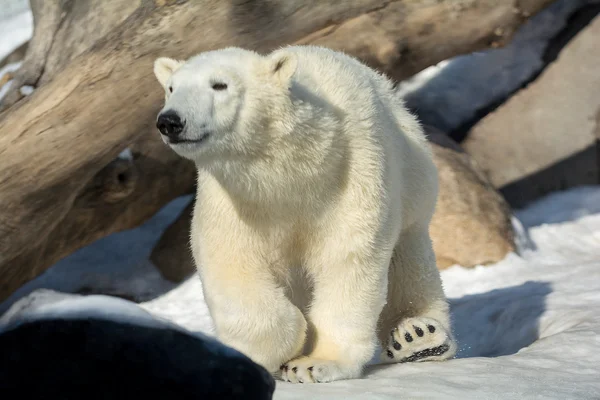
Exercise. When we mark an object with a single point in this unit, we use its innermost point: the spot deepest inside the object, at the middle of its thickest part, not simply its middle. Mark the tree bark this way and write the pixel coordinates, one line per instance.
(122, 195)
(54, 143)
(16, 55)
(63, 29)
(46, 18)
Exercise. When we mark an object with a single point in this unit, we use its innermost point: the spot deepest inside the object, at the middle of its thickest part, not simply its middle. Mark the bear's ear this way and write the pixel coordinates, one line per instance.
(282, 65)
(165, 67)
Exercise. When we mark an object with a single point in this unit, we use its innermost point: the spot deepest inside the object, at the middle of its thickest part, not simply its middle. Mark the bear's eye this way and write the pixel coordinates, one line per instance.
(171, 89)
(219, 86)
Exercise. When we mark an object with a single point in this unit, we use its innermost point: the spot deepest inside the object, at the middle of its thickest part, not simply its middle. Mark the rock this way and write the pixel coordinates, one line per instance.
(472, 222)
(172, 255)
(64, 346)
(545, 137)
(456, 93)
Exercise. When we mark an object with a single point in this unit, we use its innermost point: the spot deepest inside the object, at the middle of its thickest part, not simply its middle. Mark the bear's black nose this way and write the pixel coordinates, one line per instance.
(170, 124)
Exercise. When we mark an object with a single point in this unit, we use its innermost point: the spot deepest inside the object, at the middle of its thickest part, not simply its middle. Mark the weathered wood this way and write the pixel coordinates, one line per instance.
(15, 56)
(122, 195)
(47, 18)
(54, 143)
(63, 29)
(403, 37)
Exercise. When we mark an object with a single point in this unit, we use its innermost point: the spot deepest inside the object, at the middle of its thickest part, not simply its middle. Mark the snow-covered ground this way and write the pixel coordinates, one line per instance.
(528, 327)
(16, 25)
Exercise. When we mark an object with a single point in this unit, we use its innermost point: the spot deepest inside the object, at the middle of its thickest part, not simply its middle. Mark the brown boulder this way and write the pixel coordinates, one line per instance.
(172, 255)
(472, 222)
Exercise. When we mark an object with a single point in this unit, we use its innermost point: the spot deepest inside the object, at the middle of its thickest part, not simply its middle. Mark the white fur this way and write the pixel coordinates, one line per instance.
(315, 191)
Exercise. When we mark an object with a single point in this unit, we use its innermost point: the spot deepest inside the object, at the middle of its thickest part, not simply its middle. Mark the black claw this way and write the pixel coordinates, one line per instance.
(285, 368)
(408, 337)
(390, 354)
(436, 351)
(310, 368)
(299, 381)
(282, 367)
(418, 331)
(295, 369)
(396, 345)
(431, 328)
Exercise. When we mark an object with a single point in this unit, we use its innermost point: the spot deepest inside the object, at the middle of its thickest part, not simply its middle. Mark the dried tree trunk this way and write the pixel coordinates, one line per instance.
(54, 143)
(46, 18)
(63, 29)
(122, 195)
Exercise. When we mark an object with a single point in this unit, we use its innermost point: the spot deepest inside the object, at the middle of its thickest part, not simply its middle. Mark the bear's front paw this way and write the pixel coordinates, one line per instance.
(313, 370)
(419, 339)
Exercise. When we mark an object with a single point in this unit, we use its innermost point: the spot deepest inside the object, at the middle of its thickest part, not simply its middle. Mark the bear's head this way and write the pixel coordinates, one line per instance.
(224, 104)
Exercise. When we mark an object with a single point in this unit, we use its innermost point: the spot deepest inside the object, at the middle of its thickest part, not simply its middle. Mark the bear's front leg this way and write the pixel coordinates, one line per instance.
(349, 293)
(250, 311)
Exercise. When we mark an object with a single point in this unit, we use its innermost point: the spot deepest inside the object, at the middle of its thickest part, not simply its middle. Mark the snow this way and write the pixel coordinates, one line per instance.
(49, 304)
(16, 22)
(419, 80)
(26, 90)
(126, 155)
(528, 327)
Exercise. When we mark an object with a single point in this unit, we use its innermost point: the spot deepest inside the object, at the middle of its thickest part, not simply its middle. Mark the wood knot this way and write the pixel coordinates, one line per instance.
(118, 180)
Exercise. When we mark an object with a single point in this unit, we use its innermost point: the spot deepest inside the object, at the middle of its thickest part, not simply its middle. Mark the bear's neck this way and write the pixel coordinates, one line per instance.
(300, 171)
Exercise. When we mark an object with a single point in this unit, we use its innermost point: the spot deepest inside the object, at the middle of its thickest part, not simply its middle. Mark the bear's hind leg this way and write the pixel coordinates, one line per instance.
(415, 323)
(418, 339)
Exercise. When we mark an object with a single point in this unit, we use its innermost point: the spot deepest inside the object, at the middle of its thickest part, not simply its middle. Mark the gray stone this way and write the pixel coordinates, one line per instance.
(458, 91)
(545, 137)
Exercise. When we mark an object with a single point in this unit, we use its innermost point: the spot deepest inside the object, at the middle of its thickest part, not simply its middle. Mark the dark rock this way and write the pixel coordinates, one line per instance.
(172, 255)
(545, 137)
(95, 358)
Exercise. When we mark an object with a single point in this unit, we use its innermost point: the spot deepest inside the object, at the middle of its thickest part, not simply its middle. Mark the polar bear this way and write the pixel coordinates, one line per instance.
(310, 229)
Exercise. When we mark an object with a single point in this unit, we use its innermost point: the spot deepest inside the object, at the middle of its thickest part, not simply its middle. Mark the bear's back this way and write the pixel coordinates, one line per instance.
(368, 100)
(360, 92)
(338, 78)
